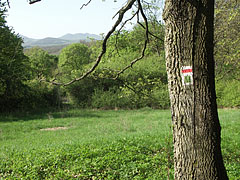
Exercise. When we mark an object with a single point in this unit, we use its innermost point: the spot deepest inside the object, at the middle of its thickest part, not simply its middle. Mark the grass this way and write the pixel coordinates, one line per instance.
(96, 144)
(230, 123)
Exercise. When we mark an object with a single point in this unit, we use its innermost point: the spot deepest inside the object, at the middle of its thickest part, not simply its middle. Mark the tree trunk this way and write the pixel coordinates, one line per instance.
(190, 68)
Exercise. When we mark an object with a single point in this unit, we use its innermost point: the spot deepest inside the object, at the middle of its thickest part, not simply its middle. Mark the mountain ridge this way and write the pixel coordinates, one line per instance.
(62, 40)
(80, 36)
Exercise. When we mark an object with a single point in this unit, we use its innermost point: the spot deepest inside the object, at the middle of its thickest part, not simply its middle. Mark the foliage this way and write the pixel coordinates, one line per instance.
(144, 85)
(132, 41)
(13, 66)
(228, 93)
(42, 64)
(227, 39)
(80, 92)
(72, 60)
(20, 75)
(41, 95)
(227, 52)
(121, 144)
(42, 67)
(110, 99)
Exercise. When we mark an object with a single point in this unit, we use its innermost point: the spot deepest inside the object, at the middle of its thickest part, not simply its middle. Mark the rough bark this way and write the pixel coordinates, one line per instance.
(196, 127)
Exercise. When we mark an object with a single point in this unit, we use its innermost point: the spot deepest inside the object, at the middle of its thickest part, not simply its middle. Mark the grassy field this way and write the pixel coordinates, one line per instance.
(92, 144)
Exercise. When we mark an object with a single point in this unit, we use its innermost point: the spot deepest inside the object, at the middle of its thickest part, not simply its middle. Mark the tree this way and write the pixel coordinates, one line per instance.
(72, 60)
(42, 64)
(13, 65)
(190, 68)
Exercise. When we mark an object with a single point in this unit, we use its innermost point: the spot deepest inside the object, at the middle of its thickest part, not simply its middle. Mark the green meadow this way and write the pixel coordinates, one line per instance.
(97, 144)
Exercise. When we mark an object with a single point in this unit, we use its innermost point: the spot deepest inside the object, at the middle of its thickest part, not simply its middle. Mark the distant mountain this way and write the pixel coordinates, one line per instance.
(80, 36)
(28, 40)
(63, 40)
(50, 42)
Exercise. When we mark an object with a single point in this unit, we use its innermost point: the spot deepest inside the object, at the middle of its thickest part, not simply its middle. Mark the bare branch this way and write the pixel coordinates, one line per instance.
(33, 1)
(145, 43)
(146, 22)
(85, 4)
(124, 23)
(144, 18)
(8, 3)
(121, 13)
(134, 61)
(119, 30)
(149, 32)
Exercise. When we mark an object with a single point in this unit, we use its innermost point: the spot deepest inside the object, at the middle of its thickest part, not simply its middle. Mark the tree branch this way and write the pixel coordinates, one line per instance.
(119, 30)
(145, 43)
(85, 4)
(120, 13)
(8, 3)
(150, 32)
(134, 61)
(33, 1)
(144, 18)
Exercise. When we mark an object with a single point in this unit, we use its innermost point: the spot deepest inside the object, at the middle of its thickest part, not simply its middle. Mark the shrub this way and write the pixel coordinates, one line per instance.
(109, 99)
(228, 93)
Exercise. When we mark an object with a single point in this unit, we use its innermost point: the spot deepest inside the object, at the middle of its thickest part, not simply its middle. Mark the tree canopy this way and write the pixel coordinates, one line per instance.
(41, 63)
(227, 41)
(73, 58)
(13, 64)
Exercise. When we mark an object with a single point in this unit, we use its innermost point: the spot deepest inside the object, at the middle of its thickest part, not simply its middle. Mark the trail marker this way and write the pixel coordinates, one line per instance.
(187, 75)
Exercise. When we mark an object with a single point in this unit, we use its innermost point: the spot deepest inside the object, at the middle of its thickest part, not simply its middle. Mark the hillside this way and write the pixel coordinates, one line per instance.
(63, 40)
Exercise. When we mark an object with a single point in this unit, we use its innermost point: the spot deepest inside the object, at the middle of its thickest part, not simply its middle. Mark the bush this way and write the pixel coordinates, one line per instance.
(110, 99)
(79, 93)
(228, 93)
(82, 92)
(144, 85)
(32, 96)
(125, 98)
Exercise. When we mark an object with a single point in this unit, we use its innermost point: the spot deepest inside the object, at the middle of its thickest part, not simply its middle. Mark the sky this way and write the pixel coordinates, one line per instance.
(55, 18)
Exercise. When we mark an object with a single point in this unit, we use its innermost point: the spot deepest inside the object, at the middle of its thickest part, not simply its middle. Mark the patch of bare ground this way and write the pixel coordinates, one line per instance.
(54, 129)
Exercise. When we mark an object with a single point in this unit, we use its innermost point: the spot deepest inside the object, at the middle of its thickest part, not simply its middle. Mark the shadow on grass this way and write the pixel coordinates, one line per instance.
(47, 114)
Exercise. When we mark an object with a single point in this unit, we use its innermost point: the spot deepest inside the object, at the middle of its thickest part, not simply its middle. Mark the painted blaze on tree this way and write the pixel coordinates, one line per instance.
(196, 128)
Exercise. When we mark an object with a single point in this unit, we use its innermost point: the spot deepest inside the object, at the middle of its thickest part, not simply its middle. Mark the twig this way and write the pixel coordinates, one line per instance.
(34, 1)
(149, 32)
(123, 24)
(133, 89)
(8, 3)
(85, 4)
(144, 18)
(134, 61)
(119, 30)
